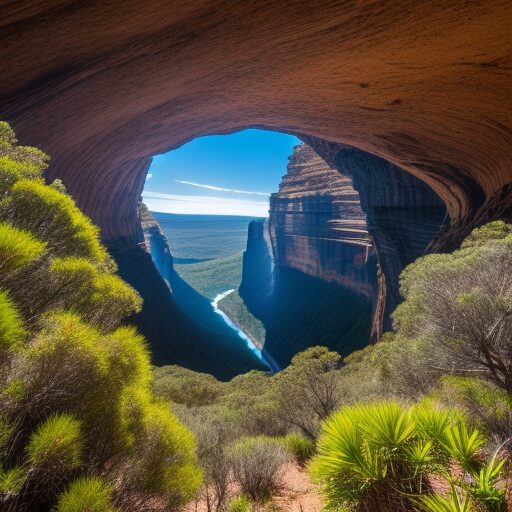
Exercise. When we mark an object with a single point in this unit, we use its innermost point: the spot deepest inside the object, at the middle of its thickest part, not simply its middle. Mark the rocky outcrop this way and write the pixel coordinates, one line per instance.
(257, 283)
(403, 216)
(317, 225)
(156, 244)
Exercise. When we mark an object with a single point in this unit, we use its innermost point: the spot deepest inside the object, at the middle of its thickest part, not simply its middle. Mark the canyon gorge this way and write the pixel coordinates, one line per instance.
(409, 103)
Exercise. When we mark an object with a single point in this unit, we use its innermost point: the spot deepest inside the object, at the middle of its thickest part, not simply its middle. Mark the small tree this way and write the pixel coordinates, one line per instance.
(307, 391)
(460, 304)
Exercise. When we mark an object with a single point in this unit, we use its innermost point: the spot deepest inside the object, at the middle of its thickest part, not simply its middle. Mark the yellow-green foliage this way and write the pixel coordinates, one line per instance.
(12, 330)
(302, 448)
(97, 296)
(18, 248)
(76, 396)
(379, 456)
(53, 217)
(56, 444)
(87, 494)
(167, 459)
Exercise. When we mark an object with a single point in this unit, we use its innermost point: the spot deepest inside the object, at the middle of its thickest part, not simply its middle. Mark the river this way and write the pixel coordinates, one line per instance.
(264, 358)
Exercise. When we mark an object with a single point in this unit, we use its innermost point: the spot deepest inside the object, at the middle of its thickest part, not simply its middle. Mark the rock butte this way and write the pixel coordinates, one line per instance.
(424, 85)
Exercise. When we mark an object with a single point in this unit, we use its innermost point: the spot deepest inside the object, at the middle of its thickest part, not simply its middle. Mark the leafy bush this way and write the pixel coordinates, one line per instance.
(17, 248)
(240, 504)
(257, 464)
(302, 448)
(53, 217)
(487, 405)
(307, 391)
(461, 305)
(56, 445)
(12, 330)
(79, 426)
(380, 457)
(87, 494)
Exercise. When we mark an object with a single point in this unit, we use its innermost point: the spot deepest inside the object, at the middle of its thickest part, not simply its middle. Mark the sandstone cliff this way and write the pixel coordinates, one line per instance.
(317, 225)
(310, 270)
(257, 283)
(156, 244)
(403, 215)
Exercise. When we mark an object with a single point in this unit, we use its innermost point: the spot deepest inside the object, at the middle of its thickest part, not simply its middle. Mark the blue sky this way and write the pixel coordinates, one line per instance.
(220, 174)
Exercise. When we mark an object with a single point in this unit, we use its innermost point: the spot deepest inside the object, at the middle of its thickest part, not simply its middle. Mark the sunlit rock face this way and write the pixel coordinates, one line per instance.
(403, 215)
(156, 245)
(317, 225)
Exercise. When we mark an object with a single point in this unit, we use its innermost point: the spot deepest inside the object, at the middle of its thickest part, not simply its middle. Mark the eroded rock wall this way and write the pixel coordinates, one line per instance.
(403, 215)
(317, 225)
(103, 86)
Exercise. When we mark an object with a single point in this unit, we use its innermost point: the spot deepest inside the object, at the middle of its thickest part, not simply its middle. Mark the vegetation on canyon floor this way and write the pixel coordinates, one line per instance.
(419, 421)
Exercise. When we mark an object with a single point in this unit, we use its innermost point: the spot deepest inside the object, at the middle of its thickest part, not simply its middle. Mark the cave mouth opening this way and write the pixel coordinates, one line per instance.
(274, 273)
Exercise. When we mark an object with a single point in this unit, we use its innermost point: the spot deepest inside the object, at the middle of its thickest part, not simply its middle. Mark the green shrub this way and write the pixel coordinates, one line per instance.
(12, 330)
(75, 400)
(87, 494)
(100, 298)
(53, 217)
(380, 457)
(257, 465)
(56, 445)
(240, 504)
(17, 248)
(302, 448)
(460, 304)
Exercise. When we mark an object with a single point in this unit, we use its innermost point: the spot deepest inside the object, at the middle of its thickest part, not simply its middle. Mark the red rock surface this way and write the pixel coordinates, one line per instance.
(317, 225)
(103, 86)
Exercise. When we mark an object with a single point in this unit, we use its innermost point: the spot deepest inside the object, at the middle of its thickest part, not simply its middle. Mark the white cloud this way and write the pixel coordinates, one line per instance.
(221, 189)
(204, 205)
(148, 177)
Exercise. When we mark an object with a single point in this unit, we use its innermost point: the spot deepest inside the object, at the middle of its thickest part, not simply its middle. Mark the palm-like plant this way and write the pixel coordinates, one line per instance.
(380, 457)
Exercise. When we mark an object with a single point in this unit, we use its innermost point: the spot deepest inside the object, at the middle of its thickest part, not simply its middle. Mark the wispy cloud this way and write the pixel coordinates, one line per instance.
(205, 205)
(148, 177)
(222, 189)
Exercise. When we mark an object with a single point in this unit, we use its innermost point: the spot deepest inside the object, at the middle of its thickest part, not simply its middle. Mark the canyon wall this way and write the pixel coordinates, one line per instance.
(317, 225)
(310, 271)
(257, 283)
(403, 215)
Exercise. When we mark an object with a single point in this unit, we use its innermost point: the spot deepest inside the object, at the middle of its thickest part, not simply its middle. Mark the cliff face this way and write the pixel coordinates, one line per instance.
(179, 323)
(157, 245)
(403, 216)
(257, 283)
(310, 270)
(317, 225)
(103, 86)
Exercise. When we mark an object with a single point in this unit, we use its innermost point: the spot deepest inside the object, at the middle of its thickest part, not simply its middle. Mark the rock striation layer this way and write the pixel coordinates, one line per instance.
(310, 270)
(317, 225)
(403, 216)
